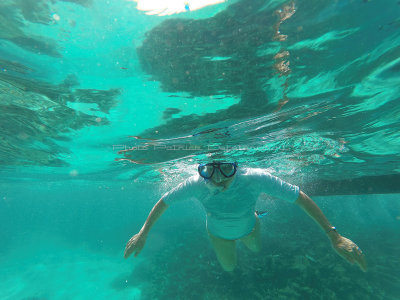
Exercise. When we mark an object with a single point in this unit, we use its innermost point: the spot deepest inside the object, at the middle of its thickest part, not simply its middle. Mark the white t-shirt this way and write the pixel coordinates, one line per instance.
(230, 213)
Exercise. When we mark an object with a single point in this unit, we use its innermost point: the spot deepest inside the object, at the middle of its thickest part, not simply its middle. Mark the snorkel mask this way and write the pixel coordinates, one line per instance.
(207, 170)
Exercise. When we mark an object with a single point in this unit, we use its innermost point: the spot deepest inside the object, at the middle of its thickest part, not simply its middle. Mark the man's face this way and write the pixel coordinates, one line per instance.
(219, 173)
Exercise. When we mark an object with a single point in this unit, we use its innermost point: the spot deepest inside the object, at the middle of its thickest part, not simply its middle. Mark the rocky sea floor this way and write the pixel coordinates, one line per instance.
(286, 268)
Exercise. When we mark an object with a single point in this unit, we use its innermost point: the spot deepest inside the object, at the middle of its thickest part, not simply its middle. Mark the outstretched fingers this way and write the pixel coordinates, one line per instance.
(355, 255)
(128, 251)
(351, 252)
(137, 252)
(135, 245)
(348, 256)
(130, 247)
(360, 259)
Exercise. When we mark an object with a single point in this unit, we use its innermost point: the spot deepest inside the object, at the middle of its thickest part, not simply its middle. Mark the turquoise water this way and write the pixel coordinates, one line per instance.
(104, 108)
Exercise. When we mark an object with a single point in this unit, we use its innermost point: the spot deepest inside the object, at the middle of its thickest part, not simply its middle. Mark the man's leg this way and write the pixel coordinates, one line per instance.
(253, 239)
(226, 252)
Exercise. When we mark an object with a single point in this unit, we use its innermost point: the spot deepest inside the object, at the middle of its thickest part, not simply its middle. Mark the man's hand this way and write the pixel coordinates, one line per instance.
(135, 244)
(349, 251)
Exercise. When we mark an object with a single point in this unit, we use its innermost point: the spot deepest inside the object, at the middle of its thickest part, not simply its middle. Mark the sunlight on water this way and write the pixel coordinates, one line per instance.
(169, 7)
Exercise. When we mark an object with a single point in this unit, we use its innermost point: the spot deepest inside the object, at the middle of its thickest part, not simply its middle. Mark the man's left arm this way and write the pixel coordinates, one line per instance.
(343, 246)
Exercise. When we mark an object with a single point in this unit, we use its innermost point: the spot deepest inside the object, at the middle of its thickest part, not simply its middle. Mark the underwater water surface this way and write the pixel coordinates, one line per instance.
(104, 108)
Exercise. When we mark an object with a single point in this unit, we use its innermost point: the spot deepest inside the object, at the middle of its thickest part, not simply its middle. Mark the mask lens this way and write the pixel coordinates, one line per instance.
(206, 171)
(227, 169)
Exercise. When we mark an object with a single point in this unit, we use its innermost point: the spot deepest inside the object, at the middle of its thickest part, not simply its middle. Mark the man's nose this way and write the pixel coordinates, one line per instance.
(217, 175)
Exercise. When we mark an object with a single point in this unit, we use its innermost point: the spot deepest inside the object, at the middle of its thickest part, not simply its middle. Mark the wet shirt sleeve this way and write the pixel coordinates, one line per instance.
(274, 186)
(185, 190)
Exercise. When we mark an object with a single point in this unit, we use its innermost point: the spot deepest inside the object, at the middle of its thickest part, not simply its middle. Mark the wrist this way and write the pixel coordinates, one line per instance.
(144, 231)
(332, 234)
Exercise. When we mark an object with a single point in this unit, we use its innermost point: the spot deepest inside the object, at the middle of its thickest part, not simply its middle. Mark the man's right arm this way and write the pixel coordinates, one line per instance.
(184, 190)
(154, 214)
(136, 243)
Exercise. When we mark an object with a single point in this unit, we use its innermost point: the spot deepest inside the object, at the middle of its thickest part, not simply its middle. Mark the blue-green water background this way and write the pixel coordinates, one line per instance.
(80, 79)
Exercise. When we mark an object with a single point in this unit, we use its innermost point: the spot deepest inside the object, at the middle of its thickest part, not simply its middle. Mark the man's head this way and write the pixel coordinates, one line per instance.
(218, 172)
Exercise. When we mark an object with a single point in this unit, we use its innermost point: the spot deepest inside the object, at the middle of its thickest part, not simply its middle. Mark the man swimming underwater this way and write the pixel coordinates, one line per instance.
(229, 195)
